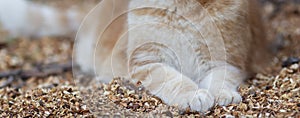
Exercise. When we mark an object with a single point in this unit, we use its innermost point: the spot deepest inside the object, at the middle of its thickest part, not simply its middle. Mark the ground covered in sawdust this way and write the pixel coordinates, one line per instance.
(36, 80)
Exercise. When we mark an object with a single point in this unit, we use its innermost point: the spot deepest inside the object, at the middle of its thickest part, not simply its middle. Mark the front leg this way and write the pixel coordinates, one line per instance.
(173, 87)
(150, 64)
(222, 82)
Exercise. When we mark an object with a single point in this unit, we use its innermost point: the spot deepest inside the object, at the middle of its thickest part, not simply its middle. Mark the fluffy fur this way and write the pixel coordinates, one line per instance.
(190, 53)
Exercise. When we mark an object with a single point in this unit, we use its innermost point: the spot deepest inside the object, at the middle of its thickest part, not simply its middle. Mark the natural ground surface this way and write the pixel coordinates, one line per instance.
(36, 80)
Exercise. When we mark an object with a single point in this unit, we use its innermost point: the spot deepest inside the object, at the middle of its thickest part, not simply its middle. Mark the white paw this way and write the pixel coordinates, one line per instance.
(200, 100)
(225, 97)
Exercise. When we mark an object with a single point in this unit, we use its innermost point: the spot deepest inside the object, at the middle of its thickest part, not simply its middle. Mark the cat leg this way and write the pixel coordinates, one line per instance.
(151, 66)
(172, 87)
(223, 82)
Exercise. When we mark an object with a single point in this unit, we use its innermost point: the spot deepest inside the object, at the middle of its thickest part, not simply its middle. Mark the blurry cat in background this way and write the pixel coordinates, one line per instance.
(25, 18)
(172, 60)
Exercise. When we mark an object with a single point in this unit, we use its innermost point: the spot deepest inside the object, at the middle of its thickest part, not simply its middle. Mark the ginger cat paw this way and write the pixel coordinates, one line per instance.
(225, 97)
(199, 100)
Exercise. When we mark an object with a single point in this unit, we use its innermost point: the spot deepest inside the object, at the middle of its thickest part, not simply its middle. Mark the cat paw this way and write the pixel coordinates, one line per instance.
(225, 97)
(200, 100)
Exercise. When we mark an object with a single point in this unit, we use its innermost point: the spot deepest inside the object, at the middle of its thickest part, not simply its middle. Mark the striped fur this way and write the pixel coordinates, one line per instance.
(190, 53)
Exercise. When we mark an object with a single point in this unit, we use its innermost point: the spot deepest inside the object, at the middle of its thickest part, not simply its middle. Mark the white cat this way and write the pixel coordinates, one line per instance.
(190, 53)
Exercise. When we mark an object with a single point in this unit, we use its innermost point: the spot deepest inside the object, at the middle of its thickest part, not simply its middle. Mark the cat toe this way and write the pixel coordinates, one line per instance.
(226, 97)
(200, 100)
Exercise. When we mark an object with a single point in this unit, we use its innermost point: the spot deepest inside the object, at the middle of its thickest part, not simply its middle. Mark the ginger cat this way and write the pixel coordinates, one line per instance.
(190, 53)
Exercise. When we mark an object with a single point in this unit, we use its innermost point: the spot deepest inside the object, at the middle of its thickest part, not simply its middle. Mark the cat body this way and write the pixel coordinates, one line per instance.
(195, 57)
(190, 53)
(193, 54)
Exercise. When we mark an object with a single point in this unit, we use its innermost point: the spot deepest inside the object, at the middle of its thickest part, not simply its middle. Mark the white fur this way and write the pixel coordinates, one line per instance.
(186, 78)
(179, 74)
(24, 18)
